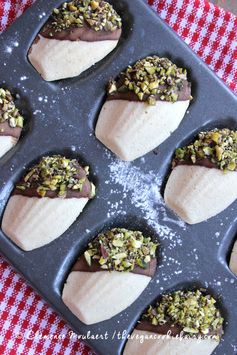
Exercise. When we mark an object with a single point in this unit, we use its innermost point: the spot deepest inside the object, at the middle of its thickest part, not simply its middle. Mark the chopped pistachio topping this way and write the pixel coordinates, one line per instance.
(8, 110)
(218, 145)
(194, 311)
(99, 15)
(151, 78)
(121, 249)
(55, 173)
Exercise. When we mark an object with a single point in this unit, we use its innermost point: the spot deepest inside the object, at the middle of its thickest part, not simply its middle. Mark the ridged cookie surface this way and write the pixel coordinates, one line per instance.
(96, 296)
(32, 222)
(131, 129)
(196, 193)
(59, 59)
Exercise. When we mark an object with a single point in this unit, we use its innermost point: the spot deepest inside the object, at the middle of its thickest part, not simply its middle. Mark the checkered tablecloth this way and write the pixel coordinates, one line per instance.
(26, 322)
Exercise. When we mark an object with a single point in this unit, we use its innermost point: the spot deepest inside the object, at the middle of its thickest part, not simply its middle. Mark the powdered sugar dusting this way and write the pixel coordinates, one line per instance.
(144, 189)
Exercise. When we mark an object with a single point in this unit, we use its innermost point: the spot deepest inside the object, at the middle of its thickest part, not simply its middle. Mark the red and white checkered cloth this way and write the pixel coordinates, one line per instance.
(212, 33)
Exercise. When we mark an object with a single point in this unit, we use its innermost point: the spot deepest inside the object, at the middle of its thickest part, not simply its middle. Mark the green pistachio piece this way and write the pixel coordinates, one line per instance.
(20, 121)
(179, 153)
(208, 151)
(147, 259)
(140, 95)
(100, 15)
(112, 87)
(143, 86)
(57, 173)
(231, 166)
(217, 145)
(154, 85)
(151, 100)
(121, 249)
(118, 242)
(87, 257)
(219, 152)
(194, 311)
(72, 7)
(20, 187)
(94, 4)
(12, 121)
(156, 77)
(215, 136)
(41, 191)
(190, 330)
(93, 193)
(150, 70)
(8, 110)
(87, 169)
(102, 261)
(136, 243)
(120, 256)
(174, 97)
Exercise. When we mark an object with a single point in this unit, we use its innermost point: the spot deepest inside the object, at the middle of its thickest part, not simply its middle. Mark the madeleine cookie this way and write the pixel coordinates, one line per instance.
(113, 272)
(203, 181)
(11, 122)
(182, 322)
(233, 259)
(46, 201)
(144, 106)
(77, 35)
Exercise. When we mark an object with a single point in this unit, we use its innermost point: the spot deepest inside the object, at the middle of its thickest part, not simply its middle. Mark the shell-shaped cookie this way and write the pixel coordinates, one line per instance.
(32, 222)
(196, 193)
(96, 296)
(59, 59)
(131, 129)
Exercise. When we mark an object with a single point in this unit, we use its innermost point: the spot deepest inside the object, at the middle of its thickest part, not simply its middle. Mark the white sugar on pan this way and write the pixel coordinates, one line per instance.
(144, 191)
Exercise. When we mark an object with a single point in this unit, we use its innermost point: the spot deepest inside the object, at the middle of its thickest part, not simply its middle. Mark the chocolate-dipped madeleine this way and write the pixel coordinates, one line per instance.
(203, 181)
(46, 201)
(182, 322)
(233, 259)
(77, 35)
(144, 105)
(11, 122)
(114, 270)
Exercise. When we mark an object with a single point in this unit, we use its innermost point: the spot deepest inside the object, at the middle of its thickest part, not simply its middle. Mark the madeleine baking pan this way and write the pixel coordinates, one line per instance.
(60, 118)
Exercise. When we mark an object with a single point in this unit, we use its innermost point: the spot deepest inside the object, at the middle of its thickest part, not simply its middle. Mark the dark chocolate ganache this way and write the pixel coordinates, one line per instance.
(183, 92)
(82, 265)
(56, 176)
(173, 329)
(7, 130)
(149, 80)
(84, 20)
(11, 121)
(119, 249)
(184, 313)
(212, 149)
(84, 33)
